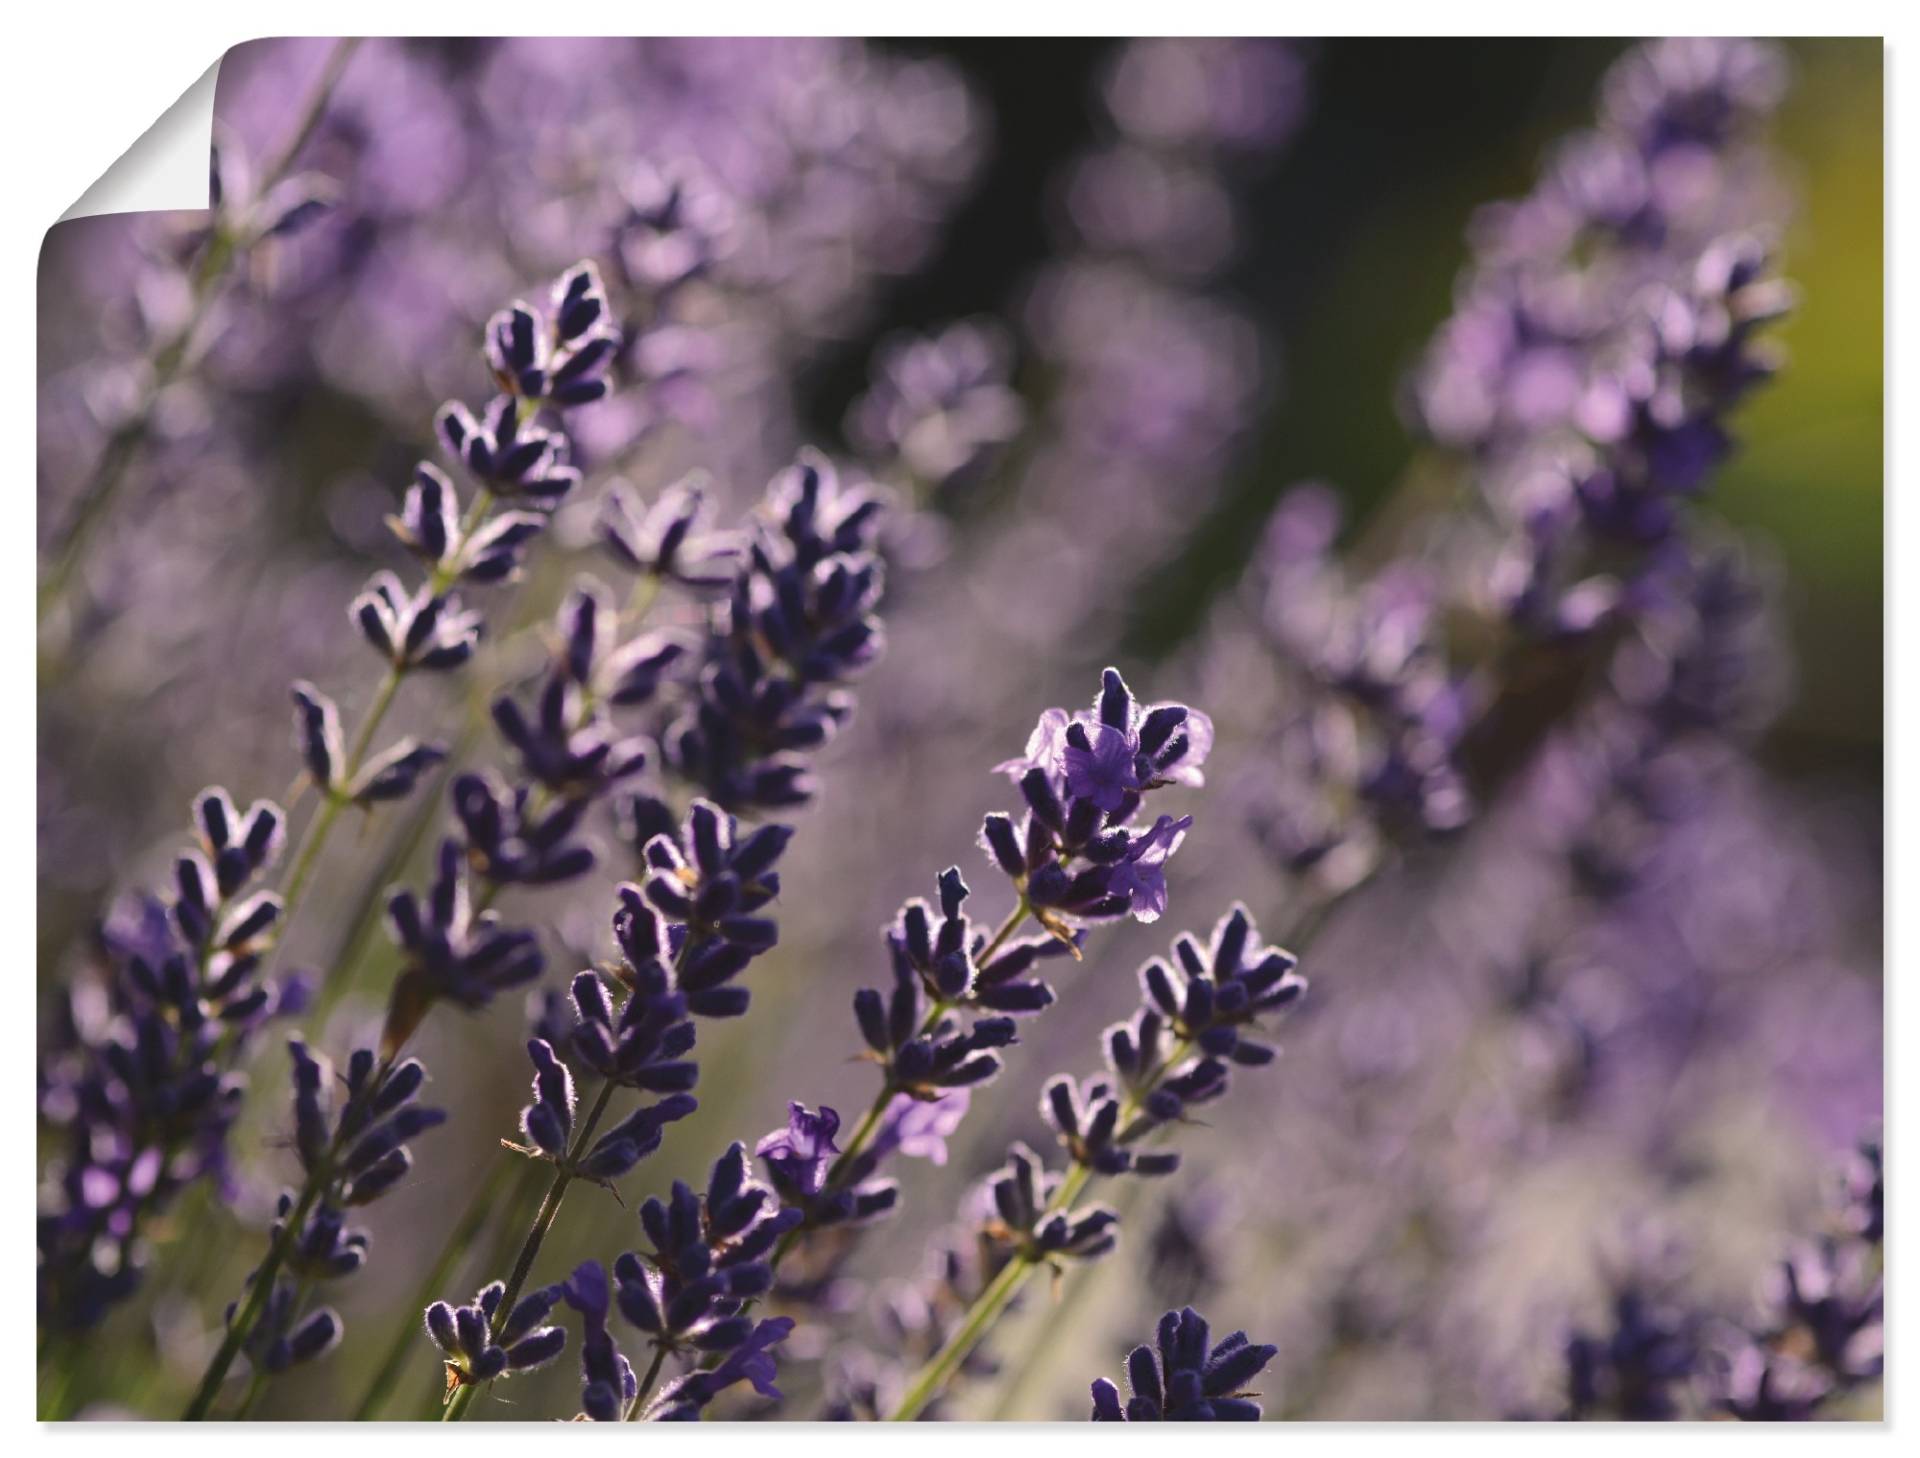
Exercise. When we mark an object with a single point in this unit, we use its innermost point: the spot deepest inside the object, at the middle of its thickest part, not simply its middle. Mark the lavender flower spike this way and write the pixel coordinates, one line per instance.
(1180, 1380)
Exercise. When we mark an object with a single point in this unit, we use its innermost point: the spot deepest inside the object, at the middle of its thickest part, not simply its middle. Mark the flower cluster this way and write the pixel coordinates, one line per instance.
(1823, 1333)
(1161, 1064)
(1033, 1223)
(1181, 1379)
(798, 621)
(671, 541)
(913, 1032)
(351, 1155)
(1076, 855)
(548, 1121)
(554, 362)
(452, 952)
(1174, 1052)
(1380, 708)
(1609, 326)
(687, 1295)
(143, 1080)
(475, 1352)
(683, 937)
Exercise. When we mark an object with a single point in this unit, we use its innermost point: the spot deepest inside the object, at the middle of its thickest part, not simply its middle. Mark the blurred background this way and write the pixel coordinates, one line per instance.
(1405, 1175)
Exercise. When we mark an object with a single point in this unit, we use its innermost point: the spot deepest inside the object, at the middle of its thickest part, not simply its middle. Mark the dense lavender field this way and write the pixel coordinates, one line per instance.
(577, 880)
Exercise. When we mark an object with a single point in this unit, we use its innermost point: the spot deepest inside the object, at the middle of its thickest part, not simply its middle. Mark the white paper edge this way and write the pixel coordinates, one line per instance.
(166, 168)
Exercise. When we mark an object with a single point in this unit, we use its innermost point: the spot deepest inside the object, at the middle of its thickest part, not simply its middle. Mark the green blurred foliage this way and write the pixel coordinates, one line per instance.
(1812, 471)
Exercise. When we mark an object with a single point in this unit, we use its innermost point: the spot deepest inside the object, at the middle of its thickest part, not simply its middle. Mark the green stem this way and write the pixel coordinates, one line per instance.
(406, 1328)
(242, 1325)
(258, 1384)
(639, 1403)
(931, 1380)
(318, 1183)
(864, 1131)
(462, 1398)
(314, 839)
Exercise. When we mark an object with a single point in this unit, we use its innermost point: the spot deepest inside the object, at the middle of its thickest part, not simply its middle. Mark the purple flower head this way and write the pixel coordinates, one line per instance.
(1181, 1379)
(560, 356)
(709, 1258)
(421, 630)
(1022, 1194)
(673, 538)
(576, 753)
(798, 1155)
(918, 1128)
(607, 1382)
(1099, 765)
(450, 952)
(518, 461)
(798, 622)
(475, 1352)
(1117, 749)
(1044, 747)
(751, 1361)
(1141, 874)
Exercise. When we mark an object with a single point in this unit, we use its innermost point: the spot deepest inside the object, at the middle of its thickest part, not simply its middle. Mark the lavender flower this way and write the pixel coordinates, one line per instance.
(751, 1362)
(673, 539)
(352, 1156)
(423, 629)
(147, 1089)
(797, 1156)
(561, 358)
(798, 620)
(475, 1352)
(608, 1384)
(1033, 1218)
(1822, 1334)
(708, 1260)
(1610, 326)
(1025, 1196)
(1083, 778)
(452, 953)
(429, 527)
(1181, 1380)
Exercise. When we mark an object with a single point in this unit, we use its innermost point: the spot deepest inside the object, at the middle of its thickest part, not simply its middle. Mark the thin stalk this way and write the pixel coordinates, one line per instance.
(864, 1131)
(462, 1398)
(639, 1403)
(931, 1380)
(110, 472)
(933, 1377)
(258, 1384)
(242, 1325)
(313, 840)
(407, 1328)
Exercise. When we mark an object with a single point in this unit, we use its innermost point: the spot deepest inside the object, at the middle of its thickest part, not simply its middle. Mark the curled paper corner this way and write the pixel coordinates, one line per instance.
(166, 168)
